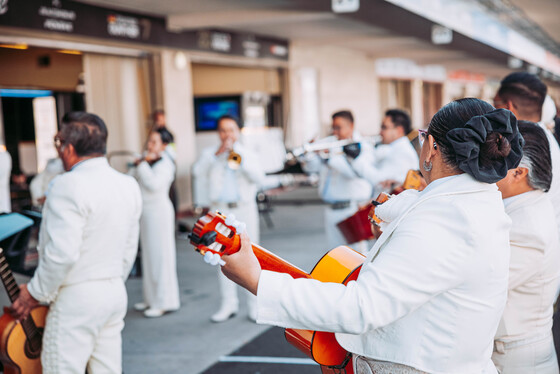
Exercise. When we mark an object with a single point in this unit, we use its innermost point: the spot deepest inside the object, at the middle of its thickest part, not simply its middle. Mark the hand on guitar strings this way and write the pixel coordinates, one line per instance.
(243, 267)
(21, 308)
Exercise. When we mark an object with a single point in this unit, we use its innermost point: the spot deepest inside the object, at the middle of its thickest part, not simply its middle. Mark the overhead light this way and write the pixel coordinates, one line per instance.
(69, 51)
(14, 46)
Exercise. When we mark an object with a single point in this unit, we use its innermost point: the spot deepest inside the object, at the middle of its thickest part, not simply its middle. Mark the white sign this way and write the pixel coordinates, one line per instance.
(44, 113)
(345, 6)
(441, 34)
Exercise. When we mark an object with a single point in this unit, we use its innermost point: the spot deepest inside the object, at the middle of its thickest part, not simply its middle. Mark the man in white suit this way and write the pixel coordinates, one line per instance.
(340, 187)
(231, 188)
(393, 158)
(87, 245)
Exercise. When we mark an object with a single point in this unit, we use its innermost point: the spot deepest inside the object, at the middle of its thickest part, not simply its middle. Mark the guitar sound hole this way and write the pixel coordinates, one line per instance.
(33, 350)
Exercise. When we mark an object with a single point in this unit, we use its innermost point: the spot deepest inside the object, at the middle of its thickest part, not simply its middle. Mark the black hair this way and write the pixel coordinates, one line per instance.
(536, 155)
(400, 118)
(165, 134)
(85, 131)
(526, 91)
(346, 114)
(229, 116)
(455, 115)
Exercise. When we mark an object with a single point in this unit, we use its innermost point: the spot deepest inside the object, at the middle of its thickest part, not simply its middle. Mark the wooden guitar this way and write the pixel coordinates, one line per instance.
(20, 342)
(211, 235)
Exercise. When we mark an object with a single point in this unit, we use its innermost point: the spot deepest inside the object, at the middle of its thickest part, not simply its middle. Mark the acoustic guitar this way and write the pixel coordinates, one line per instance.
(211, 235)
(20, 342)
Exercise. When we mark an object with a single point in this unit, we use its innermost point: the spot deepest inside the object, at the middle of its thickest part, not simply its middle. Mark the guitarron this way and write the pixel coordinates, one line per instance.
(20, 342)
(339, 265)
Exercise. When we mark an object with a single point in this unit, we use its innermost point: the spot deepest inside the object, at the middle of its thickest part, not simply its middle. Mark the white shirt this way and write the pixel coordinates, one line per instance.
(212, 174)
(534, 274)
(338, 181)
(390, 162)
(433, 296)
(89, 229)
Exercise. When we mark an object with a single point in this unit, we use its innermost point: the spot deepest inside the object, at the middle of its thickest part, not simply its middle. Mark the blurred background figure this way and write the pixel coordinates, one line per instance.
(155, 173)
(231, 175)
(523, 342)
(40, 183)
(339, 185)
(5, 172)
(393, 158)
(159, 118)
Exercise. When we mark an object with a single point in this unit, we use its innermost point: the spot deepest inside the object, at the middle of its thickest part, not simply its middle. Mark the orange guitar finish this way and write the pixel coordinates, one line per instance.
(340, 265)
(15, 353)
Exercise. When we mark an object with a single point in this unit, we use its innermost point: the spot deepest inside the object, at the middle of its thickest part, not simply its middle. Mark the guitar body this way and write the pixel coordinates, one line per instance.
(339, 265)
(212, 236)
(15, 353)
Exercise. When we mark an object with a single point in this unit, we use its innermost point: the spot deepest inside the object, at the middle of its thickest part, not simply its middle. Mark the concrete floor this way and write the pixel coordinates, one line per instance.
(186, 341)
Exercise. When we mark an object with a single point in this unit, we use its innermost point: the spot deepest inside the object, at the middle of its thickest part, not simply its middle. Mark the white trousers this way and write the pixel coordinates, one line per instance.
(334, 236)
(534, 357)
(83, 329)
(249, 214)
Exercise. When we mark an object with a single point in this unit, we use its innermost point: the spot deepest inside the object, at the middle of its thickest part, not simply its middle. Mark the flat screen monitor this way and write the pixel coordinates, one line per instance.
(209, 109)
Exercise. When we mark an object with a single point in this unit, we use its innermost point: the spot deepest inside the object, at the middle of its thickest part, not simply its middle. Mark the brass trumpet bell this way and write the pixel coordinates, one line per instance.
(234, 160)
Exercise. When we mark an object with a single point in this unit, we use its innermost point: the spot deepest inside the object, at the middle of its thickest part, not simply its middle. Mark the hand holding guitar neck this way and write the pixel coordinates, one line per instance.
(23, 305)
(243, 267)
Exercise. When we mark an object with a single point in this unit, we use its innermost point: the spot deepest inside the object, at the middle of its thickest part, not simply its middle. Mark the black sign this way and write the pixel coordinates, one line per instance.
(70, 17)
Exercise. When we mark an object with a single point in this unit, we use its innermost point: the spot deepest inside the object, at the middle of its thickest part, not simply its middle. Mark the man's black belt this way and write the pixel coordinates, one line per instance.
(340, 205)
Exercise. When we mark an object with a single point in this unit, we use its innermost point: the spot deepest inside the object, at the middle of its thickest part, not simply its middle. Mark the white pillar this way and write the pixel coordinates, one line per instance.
(176, 75)
(417, 107)
(112, 92)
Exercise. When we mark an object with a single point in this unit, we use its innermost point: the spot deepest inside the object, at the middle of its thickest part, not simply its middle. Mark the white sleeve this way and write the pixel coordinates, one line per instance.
(200, 172)
(63, 225)
(156, 177)
(131, 245)
(251, 168)
(401, 279)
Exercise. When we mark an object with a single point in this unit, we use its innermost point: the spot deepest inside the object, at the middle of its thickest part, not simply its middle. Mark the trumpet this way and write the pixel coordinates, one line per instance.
(234, 160)
(323, 146)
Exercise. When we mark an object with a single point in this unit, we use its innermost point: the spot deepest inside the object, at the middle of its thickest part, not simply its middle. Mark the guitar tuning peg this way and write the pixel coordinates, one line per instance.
(213, 259)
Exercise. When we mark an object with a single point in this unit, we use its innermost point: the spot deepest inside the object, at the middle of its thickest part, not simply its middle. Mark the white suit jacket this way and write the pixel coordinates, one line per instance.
(534, 271)
(338, 181)
(390, 161)
(5, 172)
(434, 294)
(209, 171)
(89, 229)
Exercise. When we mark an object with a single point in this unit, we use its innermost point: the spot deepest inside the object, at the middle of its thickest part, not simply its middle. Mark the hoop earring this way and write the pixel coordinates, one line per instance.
(426, 166)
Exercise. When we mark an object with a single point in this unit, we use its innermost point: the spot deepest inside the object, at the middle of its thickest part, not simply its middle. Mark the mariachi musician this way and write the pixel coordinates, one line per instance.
(339, 185)
(441, 264)
(226, 178)
(392, 158)
(155, 173)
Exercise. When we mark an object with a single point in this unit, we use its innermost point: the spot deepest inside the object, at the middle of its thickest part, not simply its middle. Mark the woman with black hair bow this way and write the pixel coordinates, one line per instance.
(432, 289)
(155, 173)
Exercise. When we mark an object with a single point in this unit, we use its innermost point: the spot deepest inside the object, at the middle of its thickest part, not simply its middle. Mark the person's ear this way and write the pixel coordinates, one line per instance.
(520, 173)
(432, 147)
(511, 107)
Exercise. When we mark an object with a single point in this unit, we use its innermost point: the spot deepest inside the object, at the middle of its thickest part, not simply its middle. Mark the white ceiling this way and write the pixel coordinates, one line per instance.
(310, 21)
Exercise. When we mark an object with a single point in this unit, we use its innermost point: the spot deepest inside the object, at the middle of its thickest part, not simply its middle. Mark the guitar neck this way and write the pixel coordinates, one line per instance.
(269, 261)
(8, 279)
